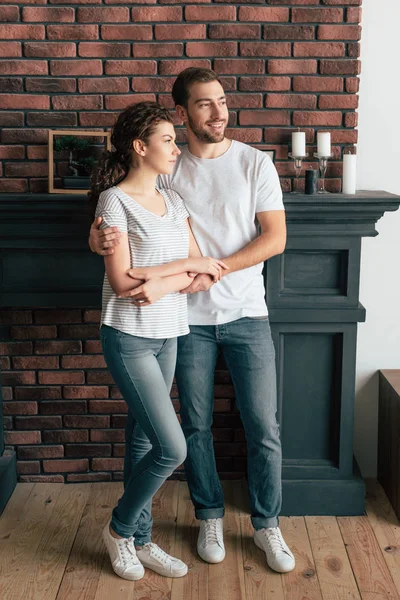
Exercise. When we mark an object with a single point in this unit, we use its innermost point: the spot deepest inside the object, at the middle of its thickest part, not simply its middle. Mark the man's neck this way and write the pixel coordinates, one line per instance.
(203, 150)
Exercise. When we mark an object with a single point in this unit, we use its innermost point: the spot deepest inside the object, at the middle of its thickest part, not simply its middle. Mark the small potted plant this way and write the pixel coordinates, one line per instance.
(80, 161)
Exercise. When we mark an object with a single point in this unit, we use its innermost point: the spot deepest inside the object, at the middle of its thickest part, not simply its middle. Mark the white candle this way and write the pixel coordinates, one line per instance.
(349, 173)
(299, 143)
(323, 143)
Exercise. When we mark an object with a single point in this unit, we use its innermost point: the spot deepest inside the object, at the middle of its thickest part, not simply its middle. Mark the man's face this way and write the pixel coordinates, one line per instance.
(207, 113)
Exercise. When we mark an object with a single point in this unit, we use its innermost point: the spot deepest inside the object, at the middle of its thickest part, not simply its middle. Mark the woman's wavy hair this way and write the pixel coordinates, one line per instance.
(136, 122)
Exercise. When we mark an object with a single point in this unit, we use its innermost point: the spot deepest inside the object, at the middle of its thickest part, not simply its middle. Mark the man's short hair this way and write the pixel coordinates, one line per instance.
(185, 79)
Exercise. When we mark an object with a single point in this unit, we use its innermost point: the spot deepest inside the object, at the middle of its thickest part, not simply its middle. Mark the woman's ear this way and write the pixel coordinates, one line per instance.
(139, 147)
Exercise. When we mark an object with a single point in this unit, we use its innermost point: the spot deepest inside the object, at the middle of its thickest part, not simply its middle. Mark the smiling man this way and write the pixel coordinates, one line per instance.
(233, 195)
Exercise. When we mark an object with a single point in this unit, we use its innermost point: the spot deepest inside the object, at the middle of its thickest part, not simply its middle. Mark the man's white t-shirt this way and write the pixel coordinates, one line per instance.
(222, 196)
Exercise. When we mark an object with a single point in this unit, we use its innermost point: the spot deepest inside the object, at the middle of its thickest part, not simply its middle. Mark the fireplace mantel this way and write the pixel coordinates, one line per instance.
(313, 300)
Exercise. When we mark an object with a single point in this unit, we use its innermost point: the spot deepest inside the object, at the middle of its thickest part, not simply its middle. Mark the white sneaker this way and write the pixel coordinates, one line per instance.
(210, 543)
(279, 557)
(153, 557)
(123, 556)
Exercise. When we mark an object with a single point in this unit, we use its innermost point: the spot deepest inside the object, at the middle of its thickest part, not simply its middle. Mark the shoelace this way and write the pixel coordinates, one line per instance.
(275, 540)
(158, 553)
(212, 533)
(128, 552)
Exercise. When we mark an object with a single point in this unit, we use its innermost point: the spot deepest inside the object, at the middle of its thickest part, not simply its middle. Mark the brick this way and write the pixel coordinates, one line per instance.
(50, 316)
(180, 32)
(51, 119)
(155, 14)
(130, 67)
(264, 84)
(19, 378)
(86, 421)
(58, 347)
(288, 32)
(104, 50)
(206, 14)
(76, 67)
(9, 13)
(244, 100)
(72, 392)
(65, 466)
(107, 435)
(115, 393)
(13, 185)
(10, 49)
(4, 363)
(49, 49)
(35, 362)
(304, 101)
(62, 408)
(344, 136)
(25, 169)
(315, 119)
(24, 67)
(264, 15)
(7, 393)
(120, 102)
(22, 32)
(264, 117)
(50, 85)
(32, 452)
(323, 49)
(92, 315)
(340, 67)
(107, 406)
(118, 421)
(142, 50)
(239, 66)
(246, 136)
(107, 464)
(353, 49)
(33, 332)
(72, 32)
(343, 2)
(337, 102)
(14, 317)
(24, 468)
(37, 153)
(42, 478)
(317, 15)
(106, 84)
(10, 84)
(126, 32)
(83, 362)
(173, 67)
(100, 119)
(317, 84)
(80, 102)
(99, 378)
(284, 136)
(79, 331)
(235, 31)
(20, 408)
(87, 450)
(37, 393)
(353, 15)
(15, 348)
(65, 436)
(40, 15)
(211, 49)
(339, 32)
(103, 15)
(22, 437)
(119, 450)
(352, 85)
(276, 66)
(265, 49)
(38, 422)
(87, 477)
(61, 377)
(152, 84)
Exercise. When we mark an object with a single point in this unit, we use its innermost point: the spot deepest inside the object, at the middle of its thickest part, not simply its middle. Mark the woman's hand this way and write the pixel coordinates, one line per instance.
(147, 293)
(208, 265)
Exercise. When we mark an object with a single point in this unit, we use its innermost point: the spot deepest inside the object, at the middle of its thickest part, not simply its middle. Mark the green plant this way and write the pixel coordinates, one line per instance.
(75, 146)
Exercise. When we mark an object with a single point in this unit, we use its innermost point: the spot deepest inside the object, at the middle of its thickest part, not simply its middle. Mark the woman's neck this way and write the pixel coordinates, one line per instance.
(141, 181)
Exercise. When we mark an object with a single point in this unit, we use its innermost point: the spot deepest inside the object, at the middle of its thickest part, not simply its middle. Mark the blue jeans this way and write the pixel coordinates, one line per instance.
(249, 353)
(143, 370)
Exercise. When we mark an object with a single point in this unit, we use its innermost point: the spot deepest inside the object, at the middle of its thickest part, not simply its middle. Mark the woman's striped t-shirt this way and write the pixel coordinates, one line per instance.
(153, 240)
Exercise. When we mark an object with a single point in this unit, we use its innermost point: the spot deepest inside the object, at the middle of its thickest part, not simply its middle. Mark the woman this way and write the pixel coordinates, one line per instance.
(139, 337)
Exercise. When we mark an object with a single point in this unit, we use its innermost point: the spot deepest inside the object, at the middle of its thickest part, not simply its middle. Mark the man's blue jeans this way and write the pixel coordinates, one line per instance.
(249, 353)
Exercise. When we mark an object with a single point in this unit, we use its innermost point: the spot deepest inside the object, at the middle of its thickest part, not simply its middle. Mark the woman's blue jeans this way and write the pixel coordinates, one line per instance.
(143, 370)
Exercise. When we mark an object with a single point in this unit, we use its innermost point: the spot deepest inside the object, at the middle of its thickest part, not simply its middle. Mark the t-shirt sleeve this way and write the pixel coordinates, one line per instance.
(111, 209)
(179, 205)
(269, 191)
(164, 181)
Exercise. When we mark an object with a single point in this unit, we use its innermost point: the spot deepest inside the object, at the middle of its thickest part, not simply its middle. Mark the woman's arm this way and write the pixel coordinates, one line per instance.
(117, 265)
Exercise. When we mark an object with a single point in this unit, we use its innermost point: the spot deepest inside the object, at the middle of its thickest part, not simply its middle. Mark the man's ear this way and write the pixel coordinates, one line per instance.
(181, 113)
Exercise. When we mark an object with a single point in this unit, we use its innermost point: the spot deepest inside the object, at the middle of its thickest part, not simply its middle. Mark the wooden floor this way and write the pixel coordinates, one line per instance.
(51, 548)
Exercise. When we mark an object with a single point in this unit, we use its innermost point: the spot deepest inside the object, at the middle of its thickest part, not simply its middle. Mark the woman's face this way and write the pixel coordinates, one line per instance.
(161, 152)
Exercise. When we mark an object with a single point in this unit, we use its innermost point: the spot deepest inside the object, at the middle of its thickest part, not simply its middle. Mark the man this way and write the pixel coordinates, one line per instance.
(233, 195)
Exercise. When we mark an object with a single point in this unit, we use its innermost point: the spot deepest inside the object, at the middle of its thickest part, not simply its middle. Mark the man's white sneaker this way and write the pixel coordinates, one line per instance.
(153, 557)
(279, 557)
(210, 543)
(123, 556)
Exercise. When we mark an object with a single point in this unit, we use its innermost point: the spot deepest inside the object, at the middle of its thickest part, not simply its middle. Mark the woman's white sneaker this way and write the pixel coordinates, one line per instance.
(279, 557)
(153, 557)
(123, 556)
(210, 543)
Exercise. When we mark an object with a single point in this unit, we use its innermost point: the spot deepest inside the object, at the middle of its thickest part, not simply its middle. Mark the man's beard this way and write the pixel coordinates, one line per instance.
(204, 136)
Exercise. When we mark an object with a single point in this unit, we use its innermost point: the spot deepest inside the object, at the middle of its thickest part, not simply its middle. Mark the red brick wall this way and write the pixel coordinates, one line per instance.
(63, 414)
(76, 66)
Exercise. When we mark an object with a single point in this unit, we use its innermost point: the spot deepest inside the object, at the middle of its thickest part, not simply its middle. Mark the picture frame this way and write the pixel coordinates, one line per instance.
(72, 134)
(271, 154)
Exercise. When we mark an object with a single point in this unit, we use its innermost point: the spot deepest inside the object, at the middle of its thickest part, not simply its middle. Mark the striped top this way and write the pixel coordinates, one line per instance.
(153, 240)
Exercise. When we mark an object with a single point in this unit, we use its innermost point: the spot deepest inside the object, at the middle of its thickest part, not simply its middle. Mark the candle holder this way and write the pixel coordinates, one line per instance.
(298, 160)
(323, 164)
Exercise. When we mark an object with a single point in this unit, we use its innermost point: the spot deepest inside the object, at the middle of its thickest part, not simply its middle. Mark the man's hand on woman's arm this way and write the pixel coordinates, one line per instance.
(103, 241)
